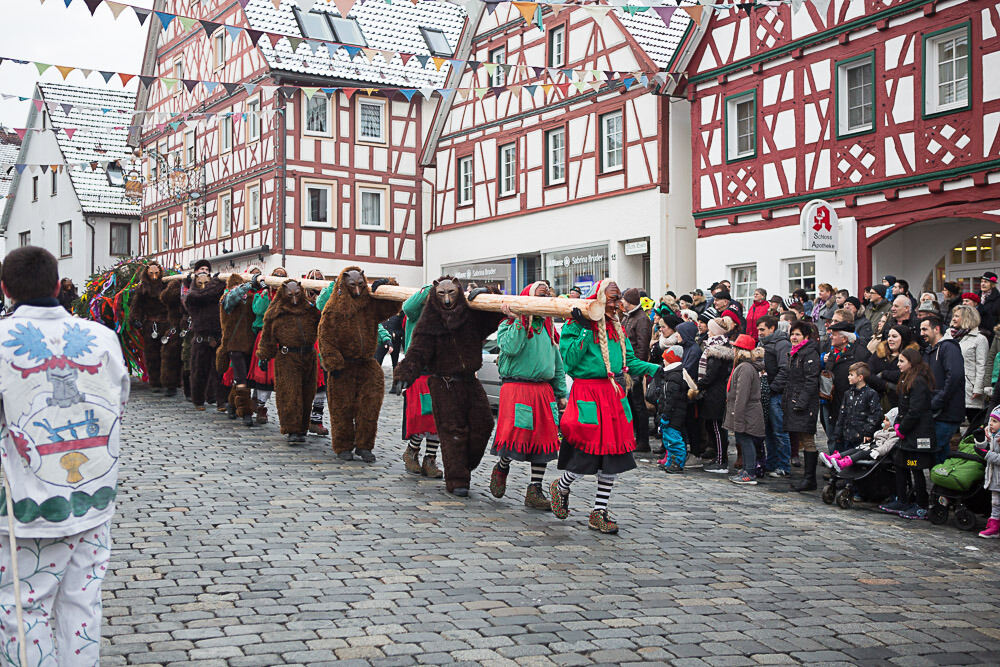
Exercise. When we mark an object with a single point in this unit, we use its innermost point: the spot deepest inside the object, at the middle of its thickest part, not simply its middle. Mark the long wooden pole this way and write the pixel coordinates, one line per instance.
(522, 305)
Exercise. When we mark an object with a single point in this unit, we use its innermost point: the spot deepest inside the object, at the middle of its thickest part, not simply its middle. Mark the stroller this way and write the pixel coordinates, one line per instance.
(958, 485)
(873, 481)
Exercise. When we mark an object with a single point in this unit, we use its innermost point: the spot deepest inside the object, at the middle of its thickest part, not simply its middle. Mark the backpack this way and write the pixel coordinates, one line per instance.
(963, 470)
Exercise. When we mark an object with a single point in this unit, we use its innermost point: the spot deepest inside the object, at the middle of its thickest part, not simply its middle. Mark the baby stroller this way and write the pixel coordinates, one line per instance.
(872, 481)
(958, 485)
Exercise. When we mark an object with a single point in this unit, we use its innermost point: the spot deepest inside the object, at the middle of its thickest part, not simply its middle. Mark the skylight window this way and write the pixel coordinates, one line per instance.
(115, 175)
(347, 31)
(437, 43)
(314, 25)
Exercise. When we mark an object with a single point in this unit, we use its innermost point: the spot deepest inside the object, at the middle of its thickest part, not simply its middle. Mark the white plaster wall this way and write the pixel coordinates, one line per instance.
(679, 243)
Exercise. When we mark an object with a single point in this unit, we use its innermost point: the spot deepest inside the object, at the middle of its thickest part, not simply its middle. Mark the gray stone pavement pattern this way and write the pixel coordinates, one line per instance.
(232, 548)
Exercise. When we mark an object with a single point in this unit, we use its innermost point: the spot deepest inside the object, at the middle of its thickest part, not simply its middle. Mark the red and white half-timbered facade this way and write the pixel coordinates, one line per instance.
(289, 161)
(564, 176)
(888, 109)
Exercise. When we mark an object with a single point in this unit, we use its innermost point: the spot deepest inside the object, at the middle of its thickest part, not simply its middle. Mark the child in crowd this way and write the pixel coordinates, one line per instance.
(668, 391)
(992, 479)
(872, 448)
(860, 410)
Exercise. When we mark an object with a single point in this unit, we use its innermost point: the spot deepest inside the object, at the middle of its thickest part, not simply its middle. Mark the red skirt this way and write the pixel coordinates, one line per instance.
(260, 379)
(598, 419)
(528, 419)
(419, 415)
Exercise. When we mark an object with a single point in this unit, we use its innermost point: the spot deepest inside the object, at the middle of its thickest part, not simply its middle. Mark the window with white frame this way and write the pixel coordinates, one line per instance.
(801, 274)
(179, 74)
(318, 204)
(314, 25)
(65, 239)
(347, 31)
(224, 215)
(499, 76)
(508, 170)
(557, 46)
(190, 226)
(371, 120)
(741, 126)
(253, 206)
(465, 180)
(856, 94)
(190, 149)
(54, 184)
(318, 120)
(121, 239)
(371, 212)
(612, 147)
(164, 232)
(946, 70)
(219, 49)
(23, 239)
(225, 133)
(744, 280)
(253, 120)
(153, 234)
(555, 156)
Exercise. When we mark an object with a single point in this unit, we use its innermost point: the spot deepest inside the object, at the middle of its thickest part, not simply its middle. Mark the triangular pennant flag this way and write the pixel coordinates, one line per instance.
(254, 35)
(369, 54)
(107, 75)
(44, 168)
(234, 32)
(370, 91)
(276, 3)
(665, 13)
(187, 22)
(168, 82)
(344, 6)
(438, 62)
(20, 167)
(695, 13)
(481, 92)
(146, 80)
(294, 43)
(190, 84)
(405, 57)
(306, 5)
(515, 89)
(64, 70)
(21, 131)
(115, 7)
(313, 45)
(41, 67)
(490, 68)
(249, 87)
(423, 61)
(491, 6)
(821, 7)
(86, 73)
(209, 27)
(562, 87)
(546, 88)
(349, 91)
(230, 87)
(580, 85)
(526, 9)
(309, 91)
(66, 108)
(165, 19)
(125, 78)
(408, 93)
(796, 6)
(531, 88)
(387, 55)
(210, 86)
(92, 5)
(141, 14)
(496, 90)
(427, 92)
(539, 71)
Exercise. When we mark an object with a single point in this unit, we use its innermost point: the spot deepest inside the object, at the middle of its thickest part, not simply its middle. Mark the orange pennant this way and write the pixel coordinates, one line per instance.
(64, 70)
(527, 10)
(438, 62)
(125, 77)
(694, 12)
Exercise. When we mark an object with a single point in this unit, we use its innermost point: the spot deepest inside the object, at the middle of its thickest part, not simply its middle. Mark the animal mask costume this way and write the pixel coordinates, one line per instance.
(348, 337)
(151, 314)
(202, 303)
(289, 337)
(447, 341)
(172, 340)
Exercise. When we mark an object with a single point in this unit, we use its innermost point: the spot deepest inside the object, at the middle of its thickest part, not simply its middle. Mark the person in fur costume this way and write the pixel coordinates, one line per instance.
(172, 339)
(531, 371)
(151, 314)
(202, 303)
(288, 336)
(237, 343)
(597, 427)
(447, 344)
(348, 336)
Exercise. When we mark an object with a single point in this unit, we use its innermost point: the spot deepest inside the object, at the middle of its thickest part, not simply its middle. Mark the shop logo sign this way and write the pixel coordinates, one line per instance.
(818, 222)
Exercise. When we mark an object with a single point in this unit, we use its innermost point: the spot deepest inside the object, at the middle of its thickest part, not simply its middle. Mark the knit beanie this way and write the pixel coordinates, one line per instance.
(672, 321)
(673, 355)
(716, 327)
(632, 296)
(996, 413)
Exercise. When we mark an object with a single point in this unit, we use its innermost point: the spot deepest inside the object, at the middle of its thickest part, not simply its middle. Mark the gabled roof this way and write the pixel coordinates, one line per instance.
(95, 140)
(390, 27)
(655, 37)
(10, 146)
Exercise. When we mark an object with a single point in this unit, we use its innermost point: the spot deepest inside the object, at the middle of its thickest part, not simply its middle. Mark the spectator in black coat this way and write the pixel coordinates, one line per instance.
(862, 326)
(838, 360)
(668, 391)
(944, 357)
(776, 348)
(800, 397)
(860, 410)
(884, 364)
(989, 302)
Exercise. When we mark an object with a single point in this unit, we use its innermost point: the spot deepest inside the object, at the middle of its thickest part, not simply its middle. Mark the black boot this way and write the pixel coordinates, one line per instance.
(808, 482)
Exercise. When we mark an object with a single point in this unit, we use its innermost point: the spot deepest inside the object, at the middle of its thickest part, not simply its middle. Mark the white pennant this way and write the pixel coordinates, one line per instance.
(821, 7)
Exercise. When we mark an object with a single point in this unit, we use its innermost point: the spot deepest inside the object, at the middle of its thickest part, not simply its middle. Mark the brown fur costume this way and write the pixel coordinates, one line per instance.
(237, 338)
(289, 337)
(449, 344)
(348, 336)
(170, 356)
(202, 304)
(150, 311)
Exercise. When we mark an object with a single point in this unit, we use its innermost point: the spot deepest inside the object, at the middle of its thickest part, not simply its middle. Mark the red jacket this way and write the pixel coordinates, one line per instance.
(756, 311)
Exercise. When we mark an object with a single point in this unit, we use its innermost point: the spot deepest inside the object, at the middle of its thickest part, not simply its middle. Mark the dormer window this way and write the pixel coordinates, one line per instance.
(314, 25)
(116, 176)
(437, 43)
(348, 31)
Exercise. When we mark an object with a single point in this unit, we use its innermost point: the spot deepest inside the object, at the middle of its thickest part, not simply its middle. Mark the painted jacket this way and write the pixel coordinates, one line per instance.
(64, 385)
(536, 358)
(582, 355)
(384, 337)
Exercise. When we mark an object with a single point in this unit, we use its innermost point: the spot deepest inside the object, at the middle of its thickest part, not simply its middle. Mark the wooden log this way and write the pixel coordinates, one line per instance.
(542, 306)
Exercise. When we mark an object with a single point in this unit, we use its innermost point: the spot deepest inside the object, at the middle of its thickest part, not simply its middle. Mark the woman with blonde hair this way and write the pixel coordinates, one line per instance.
(964, 330)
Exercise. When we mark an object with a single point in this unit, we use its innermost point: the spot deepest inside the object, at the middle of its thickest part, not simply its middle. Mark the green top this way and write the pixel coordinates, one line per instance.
(582, 355)
(534, 358)
(324, 296)
(412, 308)
(384, 337)
(260, 303)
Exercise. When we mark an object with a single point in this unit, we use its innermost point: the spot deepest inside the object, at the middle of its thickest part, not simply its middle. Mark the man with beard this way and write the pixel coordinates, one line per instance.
(288, 336)
(149, 313)
(448, 343)
(348, 336)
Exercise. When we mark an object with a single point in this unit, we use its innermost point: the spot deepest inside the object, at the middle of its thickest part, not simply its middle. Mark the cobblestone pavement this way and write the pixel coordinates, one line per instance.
(232, 548)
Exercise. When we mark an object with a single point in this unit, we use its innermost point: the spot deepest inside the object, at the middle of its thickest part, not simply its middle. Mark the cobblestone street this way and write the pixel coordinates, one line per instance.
(232, 548)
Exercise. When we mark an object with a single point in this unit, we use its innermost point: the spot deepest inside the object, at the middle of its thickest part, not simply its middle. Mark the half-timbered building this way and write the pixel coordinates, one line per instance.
(570, 176)
(887, 109)
(305, 153)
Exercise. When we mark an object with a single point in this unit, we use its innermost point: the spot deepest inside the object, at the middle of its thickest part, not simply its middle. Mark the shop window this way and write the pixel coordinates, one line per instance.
(744, 279)
(581, 268)
(801, 275)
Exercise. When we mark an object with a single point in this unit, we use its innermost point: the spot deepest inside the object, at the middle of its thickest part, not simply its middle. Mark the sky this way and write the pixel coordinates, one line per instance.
(60, 35)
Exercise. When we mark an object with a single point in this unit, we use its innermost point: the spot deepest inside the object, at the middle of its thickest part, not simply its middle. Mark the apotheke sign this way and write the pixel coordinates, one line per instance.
(819, 224)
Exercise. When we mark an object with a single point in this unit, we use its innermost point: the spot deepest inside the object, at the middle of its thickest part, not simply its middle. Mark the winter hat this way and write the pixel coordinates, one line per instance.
(673, 355)
(723, 295)
(716, 327)
(842, 326)
(631, 295)
(889, 279)
(745, 342)
(990, 276)
(996, 413)
(927, 307)
(891, 415)
(854, 301)
(202, 264)
(686, 298)
(971, 296)
(671, 320)
(880, 289)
